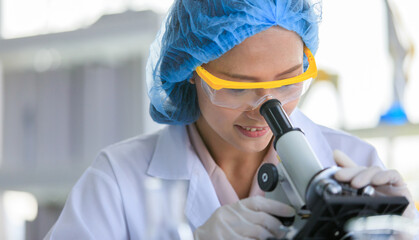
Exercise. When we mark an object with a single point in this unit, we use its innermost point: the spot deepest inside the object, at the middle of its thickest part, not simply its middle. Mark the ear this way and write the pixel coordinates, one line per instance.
(192, 80)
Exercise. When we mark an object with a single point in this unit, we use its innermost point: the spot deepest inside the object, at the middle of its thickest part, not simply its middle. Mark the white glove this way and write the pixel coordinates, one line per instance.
(385, 182)
(250, 218)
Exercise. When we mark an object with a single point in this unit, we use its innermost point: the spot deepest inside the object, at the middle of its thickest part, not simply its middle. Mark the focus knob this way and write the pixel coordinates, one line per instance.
(268, 177)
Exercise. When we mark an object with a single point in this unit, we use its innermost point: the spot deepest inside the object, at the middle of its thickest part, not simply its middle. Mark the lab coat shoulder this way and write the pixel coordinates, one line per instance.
(93, 207)
(96, 207)
(361, 152)
(141, 188)
(325, 140)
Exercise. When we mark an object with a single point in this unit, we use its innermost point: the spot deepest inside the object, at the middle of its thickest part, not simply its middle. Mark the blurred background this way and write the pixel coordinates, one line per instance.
(72, 81)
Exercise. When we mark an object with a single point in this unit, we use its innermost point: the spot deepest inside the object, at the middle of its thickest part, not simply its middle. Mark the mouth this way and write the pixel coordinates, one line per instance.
(252, 131)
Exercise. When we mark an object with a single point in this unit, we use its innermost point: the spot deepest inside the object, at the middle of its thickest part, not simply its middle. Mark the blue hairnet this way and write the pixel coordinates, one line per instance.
(199, 31)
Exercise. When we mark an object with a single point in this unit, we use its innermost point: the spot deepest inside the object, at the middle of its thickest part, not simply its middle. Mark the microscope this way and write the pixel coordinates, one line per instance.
(323, 206)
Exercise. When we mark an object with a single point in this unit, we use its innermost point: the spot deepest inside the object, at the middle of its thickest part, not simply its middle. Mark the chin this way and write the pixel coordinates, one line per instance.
(253, 147)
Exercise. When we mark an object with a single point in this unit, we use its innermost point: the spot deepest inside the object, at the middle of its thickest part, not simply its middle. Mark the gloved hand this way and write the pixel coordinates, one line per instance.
(385, 182)
(250, 218)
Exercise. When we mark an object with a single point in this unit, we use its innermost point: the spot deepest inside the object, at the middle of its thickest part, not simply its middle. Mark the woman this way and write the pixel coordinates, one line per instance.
(200, 171)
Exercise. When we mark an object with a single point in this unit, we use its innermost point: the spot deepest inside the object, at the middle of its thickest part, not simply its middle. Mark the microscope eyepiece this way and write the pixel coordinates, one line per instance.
(276, 117)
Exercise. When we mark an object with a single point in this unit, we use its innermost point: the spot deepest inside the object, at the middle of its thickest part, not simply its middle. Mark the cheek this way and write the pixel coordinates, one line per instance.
(214, 115)
(290, 107)
(205, 105)
(217, 117)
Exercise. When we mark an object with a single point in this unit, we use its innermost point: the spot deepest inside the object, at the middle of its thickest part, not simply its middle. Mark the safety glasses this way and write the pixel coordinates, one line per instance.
(249, 95)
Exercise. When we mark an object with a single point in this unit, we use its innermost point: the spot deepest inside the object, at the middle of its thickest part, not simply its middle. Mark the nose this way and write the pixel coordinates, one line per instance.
(262, 92)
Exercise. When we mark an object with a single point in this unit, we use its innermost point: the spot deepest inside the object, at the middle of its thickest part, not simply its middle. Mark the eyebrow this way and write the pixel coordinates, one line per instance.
(244, 77)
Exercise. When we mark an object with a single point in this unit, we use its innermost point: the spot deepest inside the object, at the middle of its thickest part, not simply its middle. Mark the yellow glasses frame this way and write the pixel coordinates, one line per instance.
(218, 83)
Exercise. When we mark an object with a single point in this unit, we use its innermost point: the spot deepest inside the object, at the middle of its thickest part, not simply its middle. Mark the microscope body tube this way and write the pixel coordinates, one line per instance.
(297, 160)
(298, 163)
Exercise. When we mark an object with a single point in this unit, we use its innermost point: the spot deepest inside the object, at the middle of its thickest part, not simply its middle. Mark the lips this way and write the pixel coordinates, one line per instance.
(252, 131)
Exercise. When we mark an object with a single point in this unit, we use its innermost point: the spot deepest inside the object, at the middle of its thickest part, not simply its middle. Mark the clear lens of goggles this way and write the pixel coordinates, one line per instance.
(250, 99)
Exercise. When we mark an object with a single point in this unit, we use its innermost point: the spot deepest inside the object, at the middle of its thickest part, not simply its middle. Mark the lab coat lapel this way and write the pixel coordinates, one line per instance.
(175, 159)
(202, 199)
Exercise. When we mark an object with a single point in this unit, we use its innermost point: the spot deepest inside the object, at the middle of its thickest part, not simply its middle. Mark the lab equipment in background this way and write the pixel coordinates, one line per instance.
(324, 88)
(400, 46)
(322, 204)
(370, 227)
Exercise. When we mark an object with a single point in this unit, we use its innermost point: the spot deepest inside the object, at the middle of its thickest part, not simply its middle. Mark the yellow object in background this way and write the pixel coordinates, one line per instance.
(417, 205)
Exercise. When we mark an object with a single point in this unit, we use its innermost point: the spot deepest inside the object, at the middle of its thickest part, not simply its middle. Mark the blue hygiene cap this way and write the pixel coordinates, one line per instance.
(199, 31)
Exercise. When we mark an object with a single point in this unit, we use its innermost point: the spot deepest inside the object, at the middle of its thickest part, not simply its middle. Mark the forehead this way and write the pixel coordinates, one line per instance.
(273, 47)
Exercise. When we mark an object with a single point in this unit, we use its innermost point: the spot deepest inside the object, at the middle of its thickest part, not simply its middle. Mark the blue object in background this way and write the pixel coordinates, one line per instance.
(395, 115)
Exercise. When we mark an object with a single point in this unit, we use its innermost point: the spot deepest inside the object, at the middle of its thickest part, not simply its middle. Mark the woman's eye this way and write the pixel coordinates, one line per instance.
(294, 85)
(236, 91)
(285, 87)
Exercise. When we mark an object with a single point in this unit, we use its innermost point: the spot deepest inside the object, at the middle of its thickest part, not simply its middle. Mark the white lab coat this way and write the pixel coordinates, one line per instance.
(152, 186)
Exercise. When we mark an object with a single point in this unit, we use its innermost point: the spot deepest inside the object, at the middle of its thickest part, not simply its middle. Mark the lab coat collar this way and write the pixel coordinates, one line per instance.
(175, 159)
(315, 137)
(172, 157)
